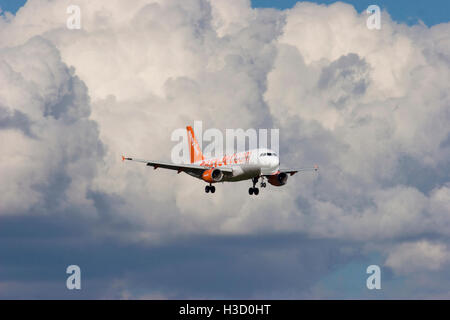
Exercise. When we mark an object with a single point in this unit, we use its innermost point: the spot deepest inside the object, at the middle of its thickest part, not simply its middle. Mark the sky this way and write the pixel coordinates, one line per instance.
(370, 107)
(11, 5)
(430, 12)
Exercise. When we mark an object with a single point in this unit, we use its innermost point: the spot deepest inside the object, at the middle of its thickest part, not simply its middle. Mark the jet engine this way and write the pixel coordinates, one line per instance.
(278, 179)
(212, 175)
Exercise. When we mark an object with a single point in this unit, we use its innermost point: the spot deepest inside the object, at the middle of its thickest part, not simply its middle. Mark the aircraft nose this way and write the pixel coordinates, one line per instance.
(275, 162)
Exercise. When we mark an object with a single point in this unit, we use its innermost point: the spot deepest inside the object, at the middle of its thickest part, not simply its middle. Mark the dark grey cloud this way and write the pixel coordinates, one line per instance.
(349, 75)
(188, 267)
(15, 120)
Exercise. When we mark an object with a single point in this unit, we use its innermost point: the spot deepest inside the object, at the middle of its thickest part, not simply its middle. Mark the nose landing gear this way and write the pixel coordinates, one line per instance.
(263, 183)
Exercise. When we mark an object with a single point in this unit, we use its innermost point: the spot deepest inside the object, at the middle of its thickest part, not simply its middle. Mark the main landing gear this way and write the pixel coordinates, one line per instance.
(210, 188)
(254, 190)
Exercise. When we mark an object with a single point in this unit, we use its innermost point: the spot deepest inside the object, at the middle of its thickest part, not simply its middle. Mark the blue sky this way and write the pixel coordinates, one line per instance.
(431, 12)
(11, 5)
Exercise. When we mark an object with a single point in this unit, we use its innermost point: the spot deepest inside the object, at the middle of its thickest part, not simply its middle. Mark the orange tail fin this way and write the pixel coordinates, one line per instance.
(194, 149)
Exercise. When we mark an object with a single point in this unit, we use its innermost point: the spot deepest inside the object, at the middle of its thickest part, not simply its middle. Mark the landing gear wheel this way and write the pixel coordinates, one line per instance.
(254, 190)
(207, 189)
(212, 188)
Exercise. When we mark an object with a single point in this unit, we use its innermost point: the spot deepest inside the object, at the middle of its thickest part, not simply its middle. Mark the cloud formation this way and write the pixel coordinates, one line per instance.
(371, 107)
(50, 146)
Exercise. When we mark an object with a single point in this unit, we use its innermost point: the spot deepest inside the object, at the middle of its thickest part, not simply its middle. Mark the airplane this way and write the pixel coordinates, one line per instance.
(249, 165)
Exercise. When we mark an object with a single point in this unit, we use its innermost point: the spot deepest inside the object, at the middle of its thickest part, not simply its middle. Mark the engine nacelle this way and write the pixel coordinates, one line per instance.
(212, 175)
(278, 179)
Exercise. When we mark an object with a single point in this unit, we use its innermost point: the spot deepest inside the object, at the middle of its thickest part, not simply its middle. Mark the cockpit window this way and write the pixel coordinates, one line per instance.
(268, 154)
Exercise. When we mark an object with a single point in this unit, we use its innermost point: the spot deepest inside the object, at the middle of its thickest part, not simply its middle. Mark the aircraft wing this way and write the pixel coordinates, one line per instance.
(294, 171)
(194, 168)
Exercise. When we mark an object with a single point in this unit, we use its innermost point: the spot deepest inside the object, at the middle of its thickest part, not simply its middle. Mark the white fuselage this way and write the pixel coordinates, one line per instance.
(247, 164)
